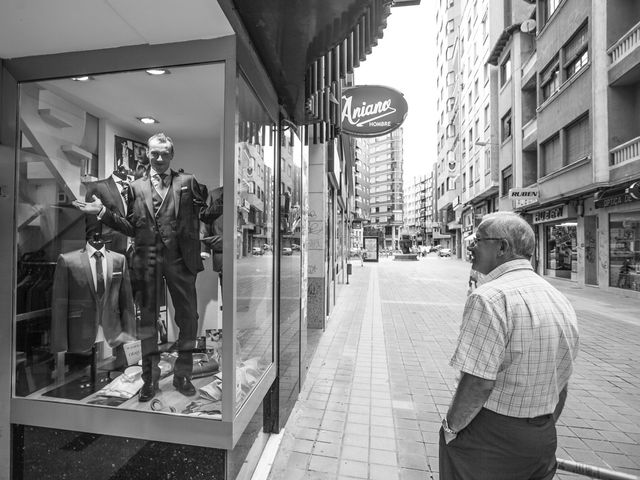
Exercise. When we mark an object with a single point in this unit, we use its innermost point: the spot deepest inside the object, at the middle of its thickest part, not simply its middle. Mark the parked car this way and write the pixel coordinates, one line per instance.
(444, 252)
(256, 251)
(287, 251)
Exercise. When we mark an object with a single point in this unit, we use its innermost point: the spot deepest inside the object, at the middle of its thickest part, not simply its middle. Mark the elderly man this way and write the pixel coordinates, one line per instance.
(517, 344)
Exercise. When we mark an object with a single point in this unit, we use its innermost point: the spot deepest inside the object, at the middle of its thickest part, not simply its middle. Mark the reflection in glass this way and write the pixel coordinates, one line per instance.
(624, 254)
(255, 159)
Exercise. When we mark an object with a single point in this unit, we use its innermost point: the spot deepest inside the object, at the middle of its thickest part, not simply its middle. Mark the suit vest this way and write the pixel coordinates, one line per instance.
(165, 215)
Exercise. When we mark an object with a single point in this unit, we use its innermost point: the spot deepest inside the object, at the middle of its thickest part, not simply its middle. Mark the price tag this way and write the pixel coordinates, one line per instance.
(133, 352)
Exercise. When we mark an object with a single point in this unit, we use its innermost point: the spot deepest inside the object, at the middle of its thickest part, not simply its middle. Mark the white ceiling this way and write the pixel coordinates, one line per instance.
(188, 102)
(39, 27)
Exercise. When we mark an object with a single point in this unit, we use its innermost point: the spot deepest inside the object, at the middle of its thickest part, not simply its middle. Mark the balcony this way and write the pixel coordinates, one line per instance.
(529, 70)
(626, 153)
(625, 58)
(624, 161)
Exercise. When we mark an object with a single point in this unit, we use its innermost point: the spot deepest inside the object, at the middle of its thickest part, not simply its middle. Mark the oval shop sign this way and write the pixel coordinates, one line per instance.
(372, 110)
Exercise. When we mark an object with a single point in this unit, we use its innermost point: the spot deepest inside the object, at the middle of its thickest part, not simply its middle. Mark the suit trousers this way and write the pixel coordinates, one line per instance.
(181, 283)
(497, 447)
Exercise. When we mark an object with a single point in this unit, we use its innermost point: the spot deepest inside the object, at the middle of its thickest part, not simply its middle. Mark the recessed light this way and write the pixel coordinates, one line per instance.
(148, 120)
(158, 71)
(83, 78)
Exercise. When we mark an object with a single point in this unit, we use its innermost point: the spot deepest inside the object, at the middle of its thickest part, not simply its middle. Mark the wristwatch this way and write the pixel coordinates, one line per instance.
(445, 427)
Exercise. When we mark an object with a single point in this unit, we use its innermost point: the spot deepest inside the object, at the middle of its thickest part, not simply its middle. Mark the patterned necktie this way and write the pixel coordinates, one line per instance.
(124, 191)
(161, 186)
(99, 274)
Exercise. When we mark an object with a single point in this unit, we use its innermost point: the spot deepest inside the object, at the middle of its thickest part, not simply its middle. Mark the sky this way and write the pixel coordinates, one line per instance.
(404, 59)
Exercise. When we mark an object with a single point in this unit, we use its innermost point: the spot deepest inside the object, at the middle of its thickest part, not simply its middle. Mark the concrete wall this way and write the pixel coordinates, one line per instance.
(317, 245)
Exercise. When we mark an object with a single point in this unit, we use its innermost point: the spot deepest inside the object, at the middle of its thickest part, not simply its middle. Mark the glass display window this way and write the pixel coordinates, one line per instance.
(123, 230)
(561, 250)
(624, 250)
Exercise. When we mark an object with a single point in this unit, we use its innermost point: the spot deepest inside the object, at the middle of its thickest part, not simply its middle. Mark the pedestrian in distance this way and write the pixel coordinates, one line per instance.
(515, 352)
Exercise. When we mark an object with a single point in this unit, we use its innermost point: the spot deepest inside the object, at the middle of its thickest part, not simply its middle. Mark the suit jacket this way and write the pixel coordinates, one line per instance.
(141, 223)
(76, 309)
(212, 231)
(107, 191)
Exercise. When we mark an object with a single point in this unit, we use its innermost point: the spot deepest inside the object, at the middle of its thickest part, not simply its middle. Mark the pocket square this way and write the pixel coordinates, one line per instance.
(184, 189)
(117, 274)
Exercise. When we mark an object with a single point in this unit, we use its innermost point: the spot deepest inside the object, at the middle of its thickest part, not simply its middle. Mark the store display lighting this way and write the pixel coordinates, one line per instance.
(148, 120)
(83, 78)
(157, 71)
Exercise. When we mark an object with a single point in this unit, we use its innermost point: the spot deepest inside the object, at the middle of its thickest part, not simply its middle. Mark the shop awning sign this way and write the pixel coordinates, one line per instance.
(372, 110)
(559, 212)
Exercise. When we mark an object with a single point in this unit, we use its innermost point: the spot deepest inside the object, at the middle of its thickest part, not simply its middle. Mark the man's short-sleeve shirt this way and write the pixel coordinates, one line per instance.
(520, 331)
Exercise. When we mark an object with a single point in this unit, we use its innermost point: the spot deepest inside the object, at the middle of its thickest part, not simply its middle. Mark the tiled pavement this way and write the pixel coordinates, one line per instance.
(379, 381)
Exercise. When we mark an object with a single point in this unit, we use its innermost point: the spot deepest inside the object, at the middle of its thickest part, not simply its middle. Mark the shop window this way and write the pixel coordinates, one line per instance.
(561, 251)
(90, 330)
(507, 180)
(624, 250)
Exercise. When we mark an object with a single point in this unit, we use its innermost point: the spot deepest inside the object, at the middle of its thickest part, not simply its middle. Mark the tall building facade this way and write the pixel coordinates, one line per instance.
(384, 159)
(418, 209)
(554, 130)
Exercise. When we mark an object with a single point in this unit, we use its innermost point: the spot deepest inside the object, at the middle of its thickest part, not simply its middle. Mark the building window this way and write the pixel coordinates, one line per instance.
(471, 177)
(451, 78)
(505, 126)
(576, 53)
(547, 7)
(624, 250)
(451, 26)
(578, 140)
(450, 50)
(451, 131)
(551, 155)
(477, 126)
(505, 70)
(476, 90)
(487, 160)
(464, 182)
(451, 184)
(451, 102)
(507, 180)
(486, 116)
(486, 73)
(550, 79)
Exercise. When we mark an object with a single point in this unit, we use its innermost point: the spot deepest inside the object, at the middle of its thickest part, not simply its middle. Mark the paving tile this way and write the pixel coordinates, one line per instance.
(383, 472)
(326, 449)
(383, 457)
(382, 443)
(302, 446)
(322, 464)
(329, 436)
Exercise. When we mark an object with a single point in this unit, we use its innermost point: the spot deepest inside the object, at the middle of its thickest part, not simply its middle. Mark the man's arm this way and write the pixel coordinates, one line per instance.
(470, 396)
(560, 406)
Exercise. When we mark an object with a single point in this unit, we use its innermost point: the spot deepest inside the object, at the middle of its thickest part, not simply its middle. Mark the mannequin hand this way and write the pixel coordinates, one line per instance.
(204, 255)
(92, 207)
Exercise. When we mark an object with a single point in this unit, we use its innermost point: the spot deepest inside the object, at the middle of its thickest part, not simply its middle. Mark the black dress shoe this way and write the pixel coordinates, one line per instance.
(184, 386)
(147, 391)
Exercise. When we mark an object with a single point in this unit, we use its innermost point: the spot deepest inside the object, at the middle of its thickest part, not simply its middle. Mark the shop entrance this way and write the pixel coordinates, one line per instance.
(591, 250)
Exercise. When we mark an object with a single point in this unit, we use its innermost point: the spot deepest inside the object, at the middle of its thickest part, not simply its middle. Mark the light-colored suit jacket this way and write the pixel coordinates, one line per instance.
(77, 311)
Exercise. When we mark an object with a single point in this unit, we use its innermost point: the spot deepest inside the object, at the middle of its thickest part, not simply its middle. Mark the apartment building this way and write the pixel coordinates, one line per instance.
(569, 140)
(418, 209)
(383, 156)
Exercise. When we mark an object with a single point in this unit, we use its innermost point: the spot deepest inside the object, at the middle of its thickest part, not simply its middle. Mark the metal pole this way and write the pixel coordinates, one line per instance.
(593, 472)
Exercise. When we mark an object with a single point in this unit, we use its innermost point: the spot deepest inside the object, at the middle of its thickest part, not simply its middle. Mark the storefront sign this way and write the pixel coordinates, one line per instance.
(521, 197)
(372, 110)
(558, 212)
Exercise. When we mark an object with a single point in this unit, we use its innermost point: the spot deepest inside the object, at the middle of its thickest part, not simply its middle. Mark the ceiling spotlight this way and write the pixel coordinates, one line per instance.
(83, 78)
(148, 120)
(157, 71)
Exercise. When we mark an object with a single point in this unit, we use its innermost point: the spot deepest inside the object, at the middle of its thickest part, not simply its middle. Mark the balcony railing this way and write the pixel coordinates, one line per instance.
(627, 43)
(627, 152)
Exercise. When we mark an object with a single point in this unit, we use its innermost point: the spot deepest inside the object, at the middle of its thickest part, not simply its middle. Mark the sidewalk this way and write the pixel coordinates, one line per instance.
(379, 382)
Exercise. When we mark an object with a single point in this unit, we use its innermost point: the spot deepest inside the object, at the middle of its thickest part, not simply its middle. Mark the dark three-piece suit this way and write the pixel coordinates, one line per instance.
(109, 194)
(166, 234)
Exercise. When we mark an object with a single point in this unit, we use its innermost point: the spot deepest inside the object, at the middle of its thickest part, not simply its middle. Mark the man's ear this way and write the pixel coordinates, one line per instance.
(505, 248)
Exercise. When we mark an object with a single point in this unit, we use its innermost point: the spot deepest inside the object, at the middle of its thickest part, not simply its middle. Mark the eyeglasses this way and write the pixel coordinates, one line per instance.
(477, 240)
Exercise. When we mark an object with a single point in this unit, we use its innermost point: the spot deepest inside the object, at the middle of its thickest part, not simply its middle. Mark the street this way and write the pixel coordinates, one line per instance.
(379, 382)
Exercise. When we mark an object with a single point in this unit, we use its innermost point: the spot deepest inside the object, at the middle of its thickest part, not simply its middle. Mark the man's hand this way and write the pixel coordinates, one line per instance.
(92, 207)
(204, 255)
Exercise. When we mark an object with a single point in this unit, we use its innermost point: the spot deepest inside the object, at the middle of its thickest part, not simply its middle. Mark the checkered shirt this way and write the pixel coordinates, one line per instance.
(520, 331)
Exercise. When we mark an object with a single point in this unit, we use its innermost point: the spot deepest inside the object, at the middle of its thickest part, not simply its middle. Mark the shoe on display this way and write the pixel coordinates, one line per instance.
(147, 391)
(184, 386)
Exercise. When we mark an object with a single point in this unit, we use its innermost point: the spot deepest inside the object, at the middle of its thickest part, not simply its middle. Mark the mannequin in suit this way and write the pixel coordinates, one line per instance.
(112, 192)
(163, 216)
(92, 300)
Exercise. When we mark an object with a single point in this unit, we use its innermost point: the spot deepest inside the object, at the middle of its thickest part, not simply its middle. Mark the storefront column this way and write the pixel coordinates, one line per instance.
(316, 245)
